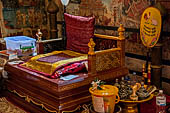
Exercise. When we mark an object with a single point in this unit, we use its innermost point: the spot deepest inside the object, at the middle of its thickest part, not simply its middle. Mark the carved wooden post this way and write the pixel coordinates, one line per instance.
(39, 44)
(91, 58)
(121, 43)
(156, 65)
(156, 58)
(40, 47)
(91, 45)
(52, 9)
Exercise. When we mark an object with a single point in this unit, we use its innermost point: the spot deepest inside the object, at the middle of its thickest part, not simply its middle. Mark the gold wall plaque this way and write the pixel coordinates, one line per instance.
(150, 27)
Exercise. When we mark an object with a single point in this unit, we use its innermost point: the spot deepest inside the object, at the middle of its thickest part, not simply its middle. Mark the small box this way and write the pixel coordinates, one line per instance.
(8, 54)
(25, 46)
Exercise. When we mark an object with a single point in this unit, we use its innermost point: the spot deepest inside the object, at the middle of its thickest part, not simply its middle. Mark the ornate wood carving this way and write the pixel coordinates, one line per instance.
(52, 9)
(93, 56)
(107, 61)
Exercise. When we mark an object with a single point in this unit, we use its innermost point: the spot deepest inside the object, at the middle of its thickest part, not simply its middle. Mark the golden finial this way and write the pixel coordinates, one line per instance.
(149, 73)
(91, 45)
(121, 31)
(143, 71)
(39, 35)
(149, 67)
(143, 68)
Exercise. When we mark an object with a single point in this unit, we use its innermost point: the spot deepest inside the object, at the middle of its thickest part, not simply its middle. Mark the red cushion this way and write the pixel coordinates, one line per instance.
(69, 69)
(79, 30)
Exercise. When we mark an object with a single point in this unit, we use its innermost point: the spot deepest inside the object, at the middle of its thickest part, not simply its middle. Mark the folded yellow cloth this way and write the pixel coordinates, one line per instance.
(49, 68)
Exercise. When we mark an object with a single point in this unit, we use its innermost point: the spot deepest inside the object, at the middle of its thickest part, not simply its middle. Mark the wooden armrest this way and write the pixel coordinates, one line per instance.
(103, 60)
(119, 38)
(108, 37)
(107, 51)
(50, 40)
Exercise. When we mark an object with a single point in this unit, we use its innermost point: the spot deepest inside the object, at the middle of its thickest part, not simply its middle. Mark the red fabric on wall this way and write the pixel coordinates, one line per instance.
(79, 30)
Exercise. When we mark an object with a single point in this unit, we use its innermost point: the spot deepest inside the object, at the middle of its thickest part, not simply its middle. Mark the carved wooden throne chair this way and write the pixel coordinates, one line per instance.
(36, 92)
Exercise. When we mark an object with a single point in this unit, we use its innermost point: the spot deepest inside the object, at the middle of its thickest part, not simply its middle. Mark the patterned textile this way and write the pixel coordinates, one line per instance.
(55, 58)
(69, 69)
(79, 30)
(45, 65)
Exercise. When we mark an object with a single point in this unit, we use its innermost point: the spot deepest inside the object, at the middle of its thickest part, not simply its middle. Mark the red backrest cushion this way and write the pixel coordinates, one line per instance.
(79, 30)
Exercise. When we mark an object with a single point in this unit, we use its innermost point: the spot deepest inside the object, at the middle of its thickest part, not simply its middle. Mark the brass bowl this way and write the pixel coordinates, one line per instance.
(139, 101)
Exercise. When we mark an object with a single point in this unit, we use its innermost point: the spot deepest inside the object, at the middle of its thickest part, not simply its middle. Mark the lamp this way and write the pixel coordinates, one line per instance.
(65, 3)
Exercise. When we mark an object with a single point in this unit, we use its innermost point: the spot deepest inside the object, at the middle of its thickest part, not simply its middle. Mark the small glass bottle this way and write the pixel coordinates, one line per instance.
(126, 79)
(142, 92)
(123, 94)
(134, 79)
(160, 102)
(117, 83)
(122, 82)
(128, 88)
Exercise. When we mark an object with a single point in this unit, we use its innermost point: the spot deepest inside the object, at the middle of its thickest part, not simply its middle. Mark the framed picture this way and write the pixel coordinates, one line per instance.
(75, 1)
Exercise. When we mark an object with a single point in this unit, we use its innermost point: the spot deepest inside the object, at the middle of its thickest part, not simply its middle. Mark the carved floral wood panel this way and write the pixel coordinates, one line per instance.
(107, 61)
